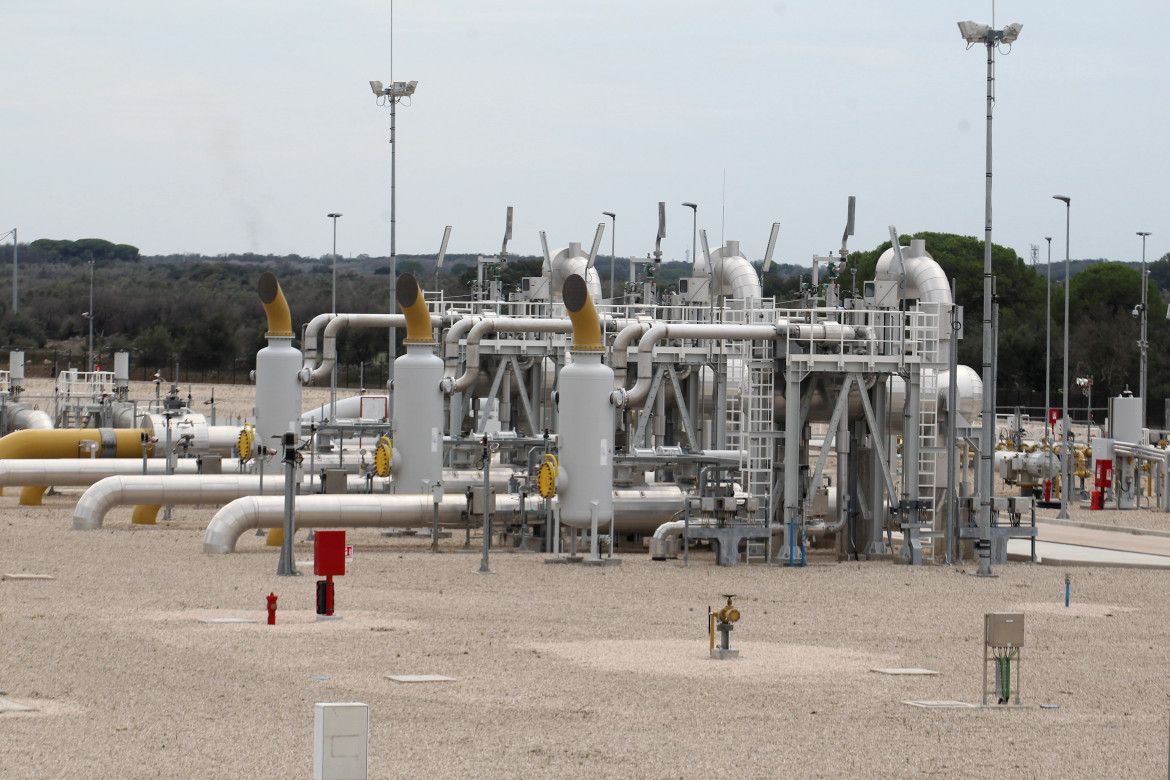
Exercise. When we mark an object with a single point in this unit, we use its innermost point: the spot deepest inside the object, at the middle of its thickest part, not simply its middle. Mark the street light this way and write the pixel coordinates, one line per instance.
(694, 207)
(980, 33)
(1065, 450)
(1144, 344)
(334, 218)
(89, 314)
(612, 249)
(1048, 360)
(392, 95)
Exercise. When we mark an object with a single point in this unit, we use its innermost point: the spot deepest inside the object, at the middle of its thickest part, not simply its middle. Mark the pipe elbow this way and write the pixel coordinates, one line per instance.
(414, 307)
(583, 314)
(275, 307)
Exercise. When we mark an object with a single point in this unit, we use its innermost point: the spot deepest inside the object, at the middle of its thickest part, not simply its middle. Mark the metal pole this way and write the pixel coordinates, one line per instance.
(612, 250)
(987, 440)
(15, 247)
(951, 529)
(334, 218)
(287, 566)
(393, 258)
(1048, 359)
(90, 368)
(1143, 343)
(487, 527)
(1065, 450)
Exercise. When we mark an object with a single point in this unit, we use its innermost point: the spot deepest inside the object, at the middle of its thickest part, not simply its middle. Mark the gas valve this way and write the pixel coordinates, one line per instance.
(728, 613)
(726, 616)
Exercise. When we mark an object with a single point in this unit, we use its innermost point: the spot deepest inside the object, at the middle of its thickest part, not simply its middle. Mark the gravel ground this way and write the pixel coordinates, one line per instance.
(560, 671)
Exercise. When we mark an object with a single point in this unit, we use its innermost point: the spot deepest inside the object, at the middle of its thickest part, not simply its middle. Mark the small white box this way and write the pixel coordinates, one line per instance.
(341, 741)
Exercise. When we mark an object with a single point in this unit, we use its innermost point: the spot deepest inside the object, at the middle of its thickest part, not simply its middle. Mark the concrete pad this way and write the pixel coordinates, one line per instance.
(8, 705)
(941, 704)
(910, 671)
(417, 678)
(220, 621)
(27, 577)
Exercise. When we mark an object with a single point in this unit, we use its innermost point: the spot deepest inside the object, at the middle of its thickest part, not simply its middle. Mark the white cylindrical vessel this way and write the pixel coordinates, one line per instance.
(418, 419)
(586, 440)
(278, 391)
(121, 369)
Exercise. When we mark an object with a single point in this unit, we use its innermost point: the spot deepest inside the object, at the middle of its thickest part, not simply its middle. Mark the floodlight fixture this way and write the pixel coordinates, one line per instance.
(973, 32)
(376, 87)
(1011, 32)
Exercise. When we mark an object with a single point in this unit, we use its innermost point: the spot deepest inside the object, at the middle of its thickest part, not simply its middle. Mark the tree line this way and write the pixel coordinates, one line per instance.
(204, 311)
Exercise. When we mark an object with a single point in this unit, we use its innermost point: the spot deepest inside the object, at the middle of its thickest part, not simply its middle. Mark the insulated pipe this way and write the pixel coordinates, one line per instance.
(162, 490)
(925, 280)
(329, 344)
(414, 308)
(309, 339)
(22, 417)
(570, 262)
(66, 443)
(636, 395)
(74, 472)
(734, 275)
(635, 511)
(498, 325)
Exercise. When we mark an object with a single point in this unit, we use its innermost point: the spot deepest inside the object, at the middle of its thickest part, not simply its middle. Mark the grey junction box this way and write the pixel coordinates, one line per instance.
(341, 741)
(1004, 629)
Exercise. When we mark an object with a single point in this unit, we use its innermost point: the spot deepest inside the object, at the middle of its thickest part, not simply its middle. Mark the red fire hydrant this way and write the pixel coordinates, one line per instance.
(272, 609)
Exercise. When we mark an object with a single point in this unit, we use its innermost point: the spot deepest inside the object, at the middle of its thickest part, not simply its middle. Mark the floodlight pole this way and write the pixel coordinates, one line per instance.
(1144, 344)
(1048, 355)
(991, 39)
(612, 249)
(1065, 428)
(15, 247)
(334, 218)
(393, 93)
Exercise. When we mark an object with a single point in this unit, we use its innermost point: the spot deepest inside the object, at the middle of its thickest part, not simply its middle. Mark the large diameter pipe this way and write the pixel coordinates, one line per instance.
(76, 472)
(339, 321)
(160, 490)
(67, 443)
(414, 309)
(637, 510)
(498, 325)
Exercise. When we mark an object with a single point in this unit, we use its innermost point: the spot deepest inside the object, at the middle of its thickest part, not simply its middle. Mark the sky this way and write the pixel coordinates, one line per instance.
(221, 126)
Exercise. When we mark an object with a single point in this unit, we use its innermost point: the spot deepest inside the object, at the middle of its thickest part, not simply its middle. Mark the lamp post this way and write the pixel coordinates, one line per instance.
(334, 217)
(1065, 450)
(612, 249)
(393, 94)
(1048, 358)
(1144, 344)
(694, 207)
(975, 33)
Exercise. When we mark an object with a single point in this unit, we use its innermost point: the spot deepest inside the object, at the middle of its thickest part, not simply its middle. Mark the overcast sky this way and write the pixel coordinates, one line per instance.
(225, 126)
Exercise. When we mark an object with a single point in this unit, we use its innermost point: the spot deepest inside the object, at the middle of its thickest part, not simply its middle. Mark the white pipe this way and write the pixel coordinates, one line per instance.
(637, 394)
(620, 356)
(635, 510)
(734, 275)
(330, 511)
(83, 471)
(498, 325)
(329, 345)
(151, 490)
(566, 263)
(349, 408)
(22, 417)
(925, 280)
(309, 340)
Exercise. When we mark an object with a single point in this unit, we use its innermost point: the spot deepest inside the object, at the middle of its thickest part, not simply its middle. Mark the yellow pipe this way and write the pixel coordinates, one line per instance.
(66, 443)
(586, 326)
(146, 514)
(31, 495)
(275, 307)
(276, 536)
(414, 308)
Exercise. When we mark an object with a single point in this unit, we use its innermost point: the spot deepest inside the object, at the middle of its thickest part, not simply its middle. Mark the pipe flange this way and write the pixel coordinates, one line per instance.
(109, 441)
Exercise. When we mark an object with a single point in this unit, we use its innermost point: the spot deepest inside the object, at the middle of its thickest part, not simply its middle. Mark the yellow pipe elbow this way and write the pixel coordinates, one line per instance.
(586, 325)
(145, 514)
(275, 307)
(414, 308)
(31, 495)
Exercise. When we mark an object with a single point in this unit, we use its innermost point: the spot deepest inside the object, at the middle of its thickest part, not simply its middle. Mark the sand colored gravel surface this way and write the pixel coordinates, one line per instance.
(559, 671)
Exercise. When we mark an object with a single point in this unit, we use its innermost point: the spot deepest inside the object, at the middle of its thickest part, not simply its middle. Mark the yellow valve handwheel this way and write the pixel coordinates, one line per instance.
(546, 477)
(245, 442)
(382, 456)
